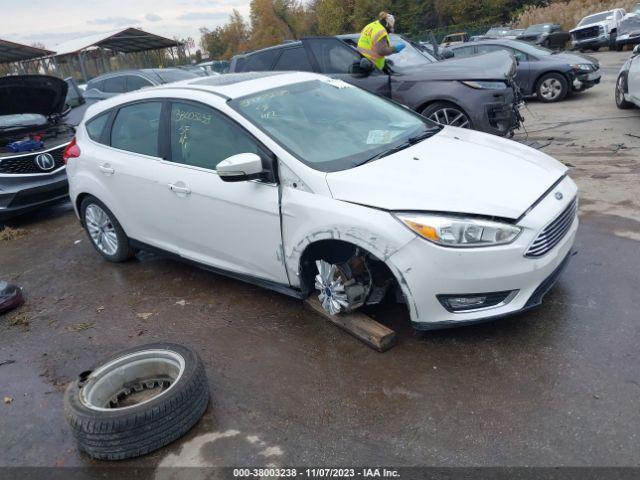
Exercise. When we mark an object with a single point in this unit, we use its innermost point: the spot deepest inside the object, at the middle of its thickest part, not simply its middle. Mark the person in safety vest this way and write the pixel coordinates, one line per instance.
(374, 40)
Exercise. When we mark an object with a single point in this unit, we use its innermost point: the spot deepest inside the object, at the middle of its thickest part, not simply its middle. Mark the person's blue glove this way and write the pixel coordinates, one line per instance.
(399, 47)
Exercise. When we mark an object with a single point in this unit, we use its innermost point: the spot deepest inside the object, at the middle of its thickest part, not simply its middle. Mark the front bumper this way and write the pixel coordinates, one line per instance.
(582, 81)
(593, 42)
(22, 193)
(497, 112)
(426, 270)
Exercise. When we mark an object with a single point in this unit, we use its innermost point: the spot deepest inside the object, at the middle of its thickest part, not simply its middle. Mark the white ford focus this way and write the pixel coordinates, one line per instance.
(302, 183)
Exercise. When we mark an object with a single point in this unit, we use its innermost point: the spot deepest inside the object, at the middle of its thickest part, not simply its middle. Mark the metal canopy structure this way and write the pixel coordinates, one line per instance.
(11, 52)
(128, 40)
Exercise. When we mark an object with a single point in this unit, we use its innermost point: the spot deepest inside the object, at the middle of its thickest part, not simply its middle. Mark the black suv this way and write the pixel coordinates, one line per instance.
(468, 93)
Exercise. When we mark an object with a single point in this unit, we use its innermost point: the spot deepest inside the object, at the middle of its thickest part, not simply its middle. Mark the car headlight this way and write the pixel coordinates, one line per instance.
(583, 67)
(485, 85)
(450, 231)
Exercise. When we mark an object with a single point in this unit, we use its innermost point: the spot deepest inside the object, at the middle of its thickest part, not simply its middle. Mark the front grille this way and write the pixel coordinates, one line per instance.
(553, 233)
(27, 163)
(589, 32)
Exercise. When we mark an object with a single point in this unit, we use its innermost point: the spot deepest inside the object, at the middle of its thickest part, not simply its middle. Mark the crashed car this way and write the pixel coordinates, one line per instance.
(303, 183)
(629, 29)
(33, 121)
(548, 35)
(549, 75)
(470, 93)
(627, 91)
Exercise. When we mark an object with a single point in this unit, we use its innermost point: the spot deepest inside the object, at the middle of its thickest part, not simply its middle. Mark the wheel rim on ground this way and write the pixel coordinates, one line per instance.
(101, 229)
(132, 380)
(450, 116)
(551, 88)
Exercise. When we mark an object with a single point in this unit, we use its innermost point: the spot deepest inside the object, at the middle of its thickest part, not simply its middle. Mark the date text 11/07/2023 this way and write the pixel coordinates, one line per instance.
(313, 473)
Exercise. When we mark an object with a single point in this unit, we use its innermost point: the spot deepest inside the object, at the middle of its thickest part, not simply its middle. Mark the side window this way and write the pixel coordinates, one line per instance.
(135, 128)
(520, 56)
(114, 85)
(294, 59)
(95, 126)
(463, 52)
(201, 137)
(134, 82)
(334, 56)
(259, 62)
(97, 84)
(490, 48)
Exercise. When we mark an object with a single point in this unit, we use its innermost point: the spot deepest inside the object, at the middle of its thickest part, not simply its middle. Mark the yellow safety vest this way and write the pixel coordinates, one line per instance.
(372, 34)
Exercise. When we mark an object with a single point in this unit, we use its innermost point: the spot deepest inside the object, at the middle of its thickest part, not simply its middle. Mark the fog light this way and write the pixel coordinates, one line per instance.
(476, 301)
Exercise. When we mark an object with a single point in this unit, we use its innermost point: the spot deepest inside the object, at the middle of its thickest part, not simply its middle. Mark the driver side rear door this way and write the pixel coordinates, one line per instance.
(331, 56)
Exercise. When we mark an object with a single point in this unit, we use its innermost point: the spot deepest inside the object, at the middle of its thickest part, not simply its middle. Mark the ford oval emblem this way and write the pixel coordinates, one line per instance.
(559, 196)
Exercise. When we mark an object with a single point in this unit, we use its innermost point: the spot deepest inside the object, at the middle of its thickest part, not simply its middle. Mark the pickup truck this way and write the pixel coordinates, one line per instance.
(598, 30)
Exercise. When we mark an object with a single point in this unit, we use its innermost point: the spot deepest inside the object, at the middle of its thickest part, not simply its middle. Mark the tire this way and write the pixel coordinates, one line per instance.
(621, 87)
(552, 87)
(112, 432)
(111, 231)
(446, 113)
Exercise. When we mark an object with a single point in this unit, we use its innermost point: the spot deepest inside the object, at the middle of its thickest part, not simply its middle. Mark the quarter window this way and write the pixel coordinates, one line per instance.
(201, 137)
(135, 128)
(95, 127)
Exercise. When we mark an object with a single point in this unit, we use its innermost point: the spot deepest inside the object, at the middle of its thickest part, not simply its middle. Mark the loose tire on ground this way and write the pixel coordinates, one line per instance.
(123, 250)
(557, 83)
(125, 421)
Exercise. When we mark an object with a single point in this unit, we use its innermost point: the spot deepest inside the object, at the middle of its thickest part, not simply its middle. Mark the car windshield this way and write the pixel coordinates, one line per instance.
(331, 125)
(598, 17)
(21, 120)
(542, 27)
(410, 56)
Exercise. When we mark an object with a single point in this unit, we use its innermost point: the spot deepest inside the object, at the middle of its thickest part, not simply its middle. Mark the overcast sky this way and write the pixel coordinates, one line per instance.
(52, 22)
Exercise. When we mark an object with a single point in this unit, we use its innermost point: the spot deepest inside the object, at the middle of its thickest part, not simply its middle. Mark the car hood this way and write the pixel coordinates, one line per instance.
(40, 94)
(491, 66)
(457, 171)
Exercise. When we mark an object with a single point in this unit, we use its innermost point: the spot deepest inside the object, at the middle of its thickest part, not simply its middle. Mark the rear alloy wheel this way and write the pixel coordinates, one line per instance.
(106, 234)
(137, 401)
(621, 86)
(552, 87)
(447, 114)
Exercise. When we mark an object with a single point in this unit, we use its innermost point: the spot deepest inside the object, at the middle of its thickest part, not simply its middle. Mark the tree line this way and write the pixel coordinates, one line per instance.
(271, 22)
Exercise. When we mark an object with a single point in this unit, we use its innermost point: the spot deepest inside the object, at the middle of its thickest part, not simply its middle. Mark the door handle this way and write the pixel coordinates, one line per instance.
(106, 169)
(179, 189)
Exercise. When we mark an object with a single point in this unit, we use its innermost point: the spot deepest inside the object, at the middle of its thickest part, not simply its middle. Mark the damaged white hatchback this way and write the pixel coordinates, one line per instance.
(307, 185)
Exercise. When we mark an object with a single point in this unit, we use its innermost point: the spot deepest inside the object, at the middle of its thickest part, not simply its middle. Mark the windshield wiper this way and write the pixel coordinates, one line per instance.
(408, 143)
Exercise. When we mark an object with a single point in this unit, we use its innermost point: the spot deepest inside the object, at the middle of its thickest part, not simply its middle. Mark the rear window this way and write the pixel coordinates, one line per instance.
(95, 126)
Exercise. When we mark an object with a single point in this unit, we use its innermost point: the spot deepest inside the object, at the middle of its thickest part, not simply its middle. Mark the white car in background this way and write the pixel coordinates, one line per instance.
(302, 183)
(628, 83)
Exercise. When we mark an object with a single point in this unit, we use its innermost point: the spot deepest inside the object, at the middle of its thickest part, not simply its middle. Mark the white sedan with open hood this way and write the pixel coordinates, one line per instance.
(310, 186)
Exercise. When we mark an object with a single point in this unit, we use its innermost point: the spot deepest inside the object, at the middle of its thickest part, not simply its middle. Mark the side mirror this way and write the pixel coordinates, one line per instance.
(446, 53)
(364, 67)
(240, 168)
(636, 50)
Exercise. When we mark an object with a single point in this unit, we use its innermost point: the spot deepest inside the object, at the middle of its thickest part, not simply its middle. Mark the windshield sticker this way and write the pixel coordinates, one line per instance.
(379, 137)
(184, 115)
